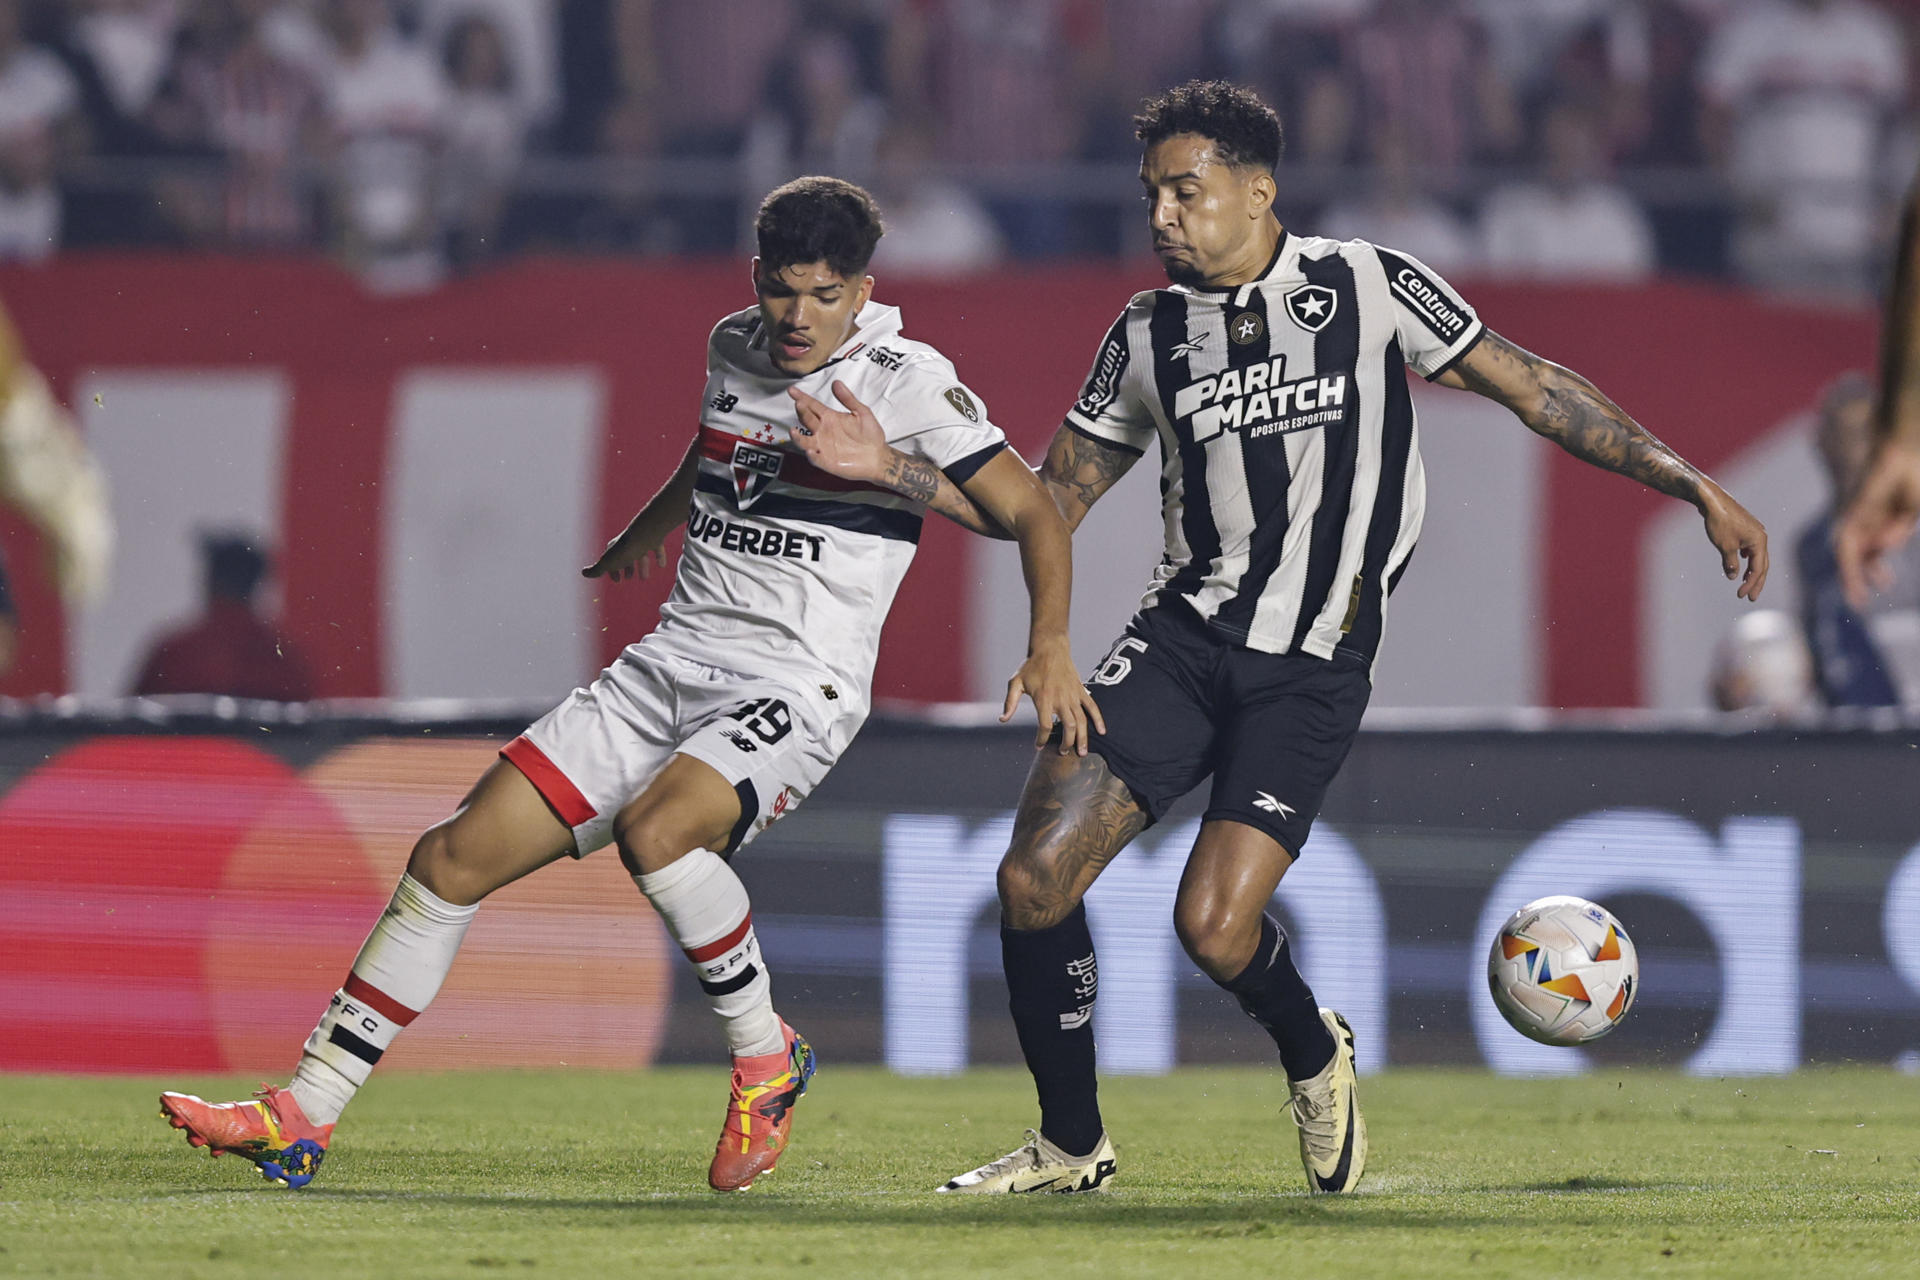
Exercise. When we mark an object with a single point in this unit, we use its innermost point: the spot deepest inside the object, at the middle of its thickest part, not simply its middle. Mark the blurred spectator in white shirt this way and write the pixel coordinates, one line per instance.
(1574, 224)
(39, 123)
(387, 106)
(129, 43)
(486, 126)
(935, 226)
(1800, 95)
(1397, 213)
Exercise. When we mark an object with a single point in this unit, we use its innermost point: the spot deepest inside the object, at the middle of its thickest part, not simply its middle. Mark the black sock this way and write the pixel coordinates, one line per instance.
(1051, 982)
(1273, 994)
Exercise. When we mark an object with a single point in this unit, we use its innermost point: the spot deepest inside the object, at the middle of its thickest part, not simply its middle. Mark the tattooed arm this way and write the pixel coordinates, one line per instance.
(1077, 471)
(1570, 411)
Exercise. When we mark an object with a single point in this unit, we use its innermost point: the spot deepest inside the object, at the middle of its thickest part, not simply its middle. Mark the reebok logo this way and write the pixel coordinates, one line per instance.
(1261, 800)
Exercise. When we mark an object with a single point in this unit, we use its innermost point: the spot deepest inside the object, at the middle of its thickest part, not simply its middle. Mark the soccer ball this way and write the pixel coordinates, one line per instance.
(1563, 971)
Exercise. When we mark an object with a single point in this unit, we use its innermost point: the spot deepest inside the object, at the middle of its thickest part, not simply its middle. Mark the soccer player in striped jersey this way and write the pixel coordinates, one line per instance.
(731, 711)
(1271, 375)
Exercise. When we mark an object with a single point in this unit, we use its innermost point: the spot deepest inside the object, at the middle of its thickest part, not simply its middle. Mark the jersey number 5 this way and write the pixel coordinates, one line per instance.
(1119, 664)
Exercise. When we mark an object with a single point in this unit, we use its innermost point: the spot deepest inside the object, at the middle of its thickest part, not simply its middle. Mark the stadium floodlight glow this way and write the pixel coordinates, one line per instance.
(938, 876)
(1901, 920)
(1745, 890)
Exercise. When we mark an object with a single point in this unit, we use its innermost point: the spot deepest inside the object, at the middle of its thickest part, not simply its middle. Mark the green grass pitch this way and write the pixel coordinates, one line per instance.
(1619, 1173)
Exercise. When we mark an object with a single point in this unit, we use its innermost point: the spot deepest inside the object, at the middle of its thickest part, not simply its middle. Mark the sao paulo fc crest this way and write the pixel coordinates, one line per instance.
(754, 468)
(1311, 306)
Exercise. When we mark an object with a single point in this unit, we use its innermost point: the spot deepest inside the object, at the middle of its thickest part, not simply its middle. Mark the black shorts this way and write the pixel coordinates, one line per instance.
(1181, 702)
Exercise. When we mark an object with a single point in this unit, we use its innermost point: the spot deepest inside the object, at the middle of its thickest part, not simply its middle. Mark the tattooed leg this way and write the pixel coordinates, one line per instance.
(1074, 817)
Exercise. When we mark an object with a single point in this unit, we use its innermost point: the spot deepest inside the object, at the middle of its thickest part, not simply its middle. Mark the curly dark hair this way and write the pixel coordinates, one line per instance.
(1243, 129)
(825, 220)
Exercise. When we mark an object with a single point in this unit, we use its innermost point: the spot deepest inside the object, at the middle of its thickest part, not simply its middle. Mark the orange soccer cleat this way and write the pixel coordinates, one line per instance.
(760, 1113)
(271, 1131)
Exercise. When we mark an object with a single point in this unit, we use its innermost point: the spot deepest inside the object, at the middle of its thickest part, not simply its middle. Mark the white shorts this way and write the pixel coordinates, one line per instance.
(598, 750)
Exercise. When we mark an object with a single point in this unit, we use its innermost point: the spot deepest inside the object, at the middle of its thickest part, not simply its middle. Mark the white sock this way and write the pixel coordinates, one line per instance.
(707, 912)
(397, 974)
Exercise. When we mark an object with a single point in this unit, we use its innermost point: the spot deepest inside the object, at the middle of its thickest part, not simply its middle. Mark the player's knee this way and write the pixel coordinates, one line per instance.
(1029, 897)
(450, 866)
(652, 837)
(1215, 935)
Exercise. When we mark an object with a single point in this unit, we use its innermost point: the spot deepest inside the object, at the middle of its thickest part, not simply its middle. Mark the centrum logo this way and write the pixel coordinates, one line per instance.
(1433, 307)
(1259, 401)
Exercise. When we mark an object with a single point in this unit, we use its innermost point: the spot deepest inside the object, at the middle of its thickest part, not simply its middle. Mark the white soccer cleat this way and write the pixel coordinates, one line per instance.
(1039, 1166)
(1333, 1136)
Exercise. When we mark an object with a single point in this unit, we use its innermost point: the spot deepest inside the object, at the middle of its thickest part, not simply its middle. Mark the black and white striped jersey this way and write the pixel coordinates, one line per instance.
(1291, 482)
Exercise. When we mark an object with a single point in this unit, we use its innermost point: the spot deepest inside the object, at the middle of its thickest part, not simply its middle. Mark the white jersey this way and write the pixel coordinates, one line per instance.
(788, 572)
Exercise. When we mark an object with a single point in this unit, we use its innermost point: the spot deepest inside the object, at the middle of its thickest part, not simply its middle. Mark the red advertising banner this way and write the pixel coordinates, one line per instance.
(1701, 366)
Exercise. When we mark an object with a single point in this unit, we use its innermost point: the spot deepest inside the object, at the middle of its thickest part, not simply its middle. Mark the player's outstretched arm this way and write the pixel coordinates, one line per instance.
(1564, 407)
(640, 547)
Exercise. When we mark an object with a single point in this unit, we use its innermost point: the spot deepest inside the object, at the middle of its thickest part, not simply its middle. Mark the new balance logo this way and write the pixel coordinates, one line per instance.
(1261, 800)
(725, 402)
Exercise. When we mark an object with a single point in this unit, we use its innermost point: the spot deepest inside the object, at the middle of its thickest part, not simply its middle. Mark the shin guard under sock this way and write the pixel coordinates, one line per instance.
(1272, 992)
(1052, 979)
(398, 972)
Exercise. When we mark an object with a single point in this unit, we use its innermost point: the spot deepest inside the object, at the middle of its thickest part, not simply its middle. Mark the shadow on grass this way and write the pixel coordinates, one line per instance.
(919, 1211)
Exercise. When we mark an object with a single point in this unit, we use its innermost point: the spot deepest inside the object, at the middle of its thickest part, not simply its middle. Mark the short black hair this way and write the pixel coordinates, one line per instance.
(233, 563)
(1243, 129)
(818, 219)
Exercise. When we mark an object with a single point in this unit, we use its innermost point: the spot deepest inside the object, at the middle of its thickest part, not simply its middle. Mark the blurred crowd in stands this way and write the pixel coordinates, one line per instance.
(1765, 140)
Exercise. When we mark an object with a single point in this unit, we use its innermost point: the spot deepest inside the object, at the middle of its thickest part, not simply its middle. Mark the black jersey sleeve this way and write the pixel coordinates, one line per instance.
(1110, 407)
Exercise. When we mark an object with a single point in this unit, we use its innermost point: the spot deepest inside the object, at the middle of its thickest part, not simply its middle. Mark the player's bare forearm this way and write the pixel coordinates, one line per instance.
(637, 548)
(851, 443)
(1898, 417)
(1009, 494)
(920, 480)
(1570, 411)
(1559, 404)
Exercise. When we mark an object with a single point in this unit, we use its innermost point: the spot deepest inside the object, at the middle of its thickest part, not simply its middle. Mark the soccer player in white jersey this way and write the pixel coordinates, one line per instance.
(732, 710)
(1271, 374)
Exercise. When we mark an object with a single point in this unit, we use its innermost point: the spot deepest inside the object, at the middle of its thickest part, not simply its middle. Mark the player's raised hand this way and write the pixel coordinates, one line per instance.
(1878, 521)
(1049, 678)
(849, 443)
(633, 552)
(1737, 535)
